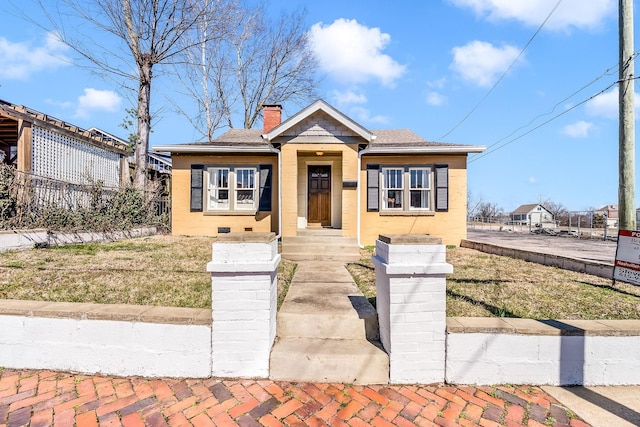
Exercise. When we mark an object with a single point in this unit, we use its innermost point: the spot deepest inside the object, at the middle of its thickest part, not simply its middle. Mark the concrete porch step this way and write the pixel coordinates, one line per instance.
(319, 231)
(318, 247)
(320, 256)
(329, 360)
(327, 310)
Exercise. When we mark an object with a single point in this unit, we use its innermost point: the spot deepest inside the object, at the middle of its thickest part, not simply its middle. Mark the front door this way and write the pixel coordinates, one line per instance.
(319, 203)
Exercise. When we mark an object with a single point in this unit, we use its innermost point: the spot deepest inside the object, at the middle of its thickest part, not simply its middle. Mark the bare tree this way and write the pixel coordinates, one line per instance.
(258, 62)
(145, 34)
(558, 210)
(473, 203)
(489, 210)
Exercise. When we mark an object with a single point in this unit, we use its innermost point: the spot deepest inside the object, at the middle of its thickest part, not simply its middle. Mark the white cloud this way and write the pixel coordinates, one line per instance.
(570, 13)
(437, 84)
(481, 62)
(59, 104)
(97, 100)
(352, 53)
(436, 99)
(533, 180)
(352, 96)
(579, 129)
(22, 59)
(362, 115)
(606, 105)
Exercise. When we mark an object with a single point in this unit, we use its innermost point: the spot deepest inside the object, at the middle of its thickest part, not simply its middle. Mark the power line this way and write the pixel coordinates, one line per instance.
(503, 75)
(486, 153)
(607, 72)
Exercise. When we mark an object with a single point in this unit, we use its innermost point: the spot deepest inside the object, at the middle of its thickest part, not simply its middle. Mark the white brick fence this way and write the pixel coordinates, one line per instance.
(234, 338)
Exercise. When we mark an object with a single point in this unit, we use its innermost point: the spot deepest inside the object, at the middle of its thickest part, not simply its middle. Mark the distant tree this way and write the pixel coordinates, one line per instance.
(140, 35)
(489, 210)
(129, 123)
(558, 210)
(472, 204)
(599, 220)
(257, 62)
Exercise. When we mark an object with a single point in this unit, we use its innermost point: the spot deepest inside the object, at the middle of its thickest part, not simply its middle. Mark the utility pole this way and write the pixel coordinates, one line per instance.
(626, 156)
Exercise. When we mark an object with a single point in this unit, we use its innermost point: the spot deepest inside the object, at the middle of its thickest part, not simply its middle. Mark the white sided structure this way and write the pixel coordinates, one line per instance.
(50, 148)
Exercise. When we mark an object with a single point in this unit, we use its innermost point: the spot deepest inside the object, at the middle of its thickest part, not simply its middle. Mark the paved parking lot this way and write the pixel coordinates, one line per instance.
(587, 249)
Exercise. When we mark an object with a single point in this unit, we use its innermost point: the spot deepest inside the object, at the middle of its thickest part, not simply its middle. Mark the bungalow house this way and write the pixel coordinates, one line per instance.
(533, 214)
(320, 169)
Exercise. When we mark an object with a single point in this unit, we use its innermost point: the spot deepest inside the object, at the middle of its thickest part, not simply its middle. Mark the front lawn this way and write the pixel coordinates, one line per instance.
(171, 271)
(157, 270)
(484, 285)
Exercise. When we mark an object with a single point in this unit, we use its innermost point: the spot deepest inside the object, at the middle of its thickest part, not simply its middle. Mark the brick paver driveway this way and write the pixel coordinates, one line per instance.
(42, 398)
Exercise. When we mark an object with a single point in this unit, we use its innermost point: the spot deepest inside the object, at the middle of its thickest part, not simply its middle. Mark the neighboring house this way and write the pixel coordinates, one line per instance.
(158, 164)
(46, 147)
(534, 214)
(319, 168)
(610, 212)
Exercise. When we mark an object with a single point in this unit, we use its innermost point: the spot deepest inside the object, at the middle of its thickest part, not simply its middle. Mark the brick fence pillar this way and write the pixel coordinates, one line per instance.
(411, 305)
(244, 302)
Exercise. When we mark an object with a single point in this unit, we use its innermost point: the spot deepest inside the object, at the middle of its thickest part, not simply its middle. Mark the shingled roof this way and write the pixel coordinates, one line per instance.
(387, 140)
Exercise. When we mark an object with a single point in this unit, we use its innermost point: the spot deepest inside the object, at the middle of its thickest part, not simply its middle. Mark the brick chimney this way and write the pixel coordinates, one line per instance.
(272, 116)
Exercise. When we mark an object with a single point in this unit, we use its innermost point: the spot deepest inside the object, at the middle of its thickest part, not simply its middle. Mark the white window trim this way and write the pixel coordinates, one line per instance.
(233, 189)
(406, 188)
(384, 188)
(211, 188)
(428, 190)
(236, 190)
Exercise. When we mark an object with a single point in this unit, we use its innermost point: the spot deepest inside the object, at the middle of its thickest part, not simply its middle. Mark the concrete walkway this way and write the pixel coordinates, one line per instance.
(602, 406)
(44, 398)
(327, 330)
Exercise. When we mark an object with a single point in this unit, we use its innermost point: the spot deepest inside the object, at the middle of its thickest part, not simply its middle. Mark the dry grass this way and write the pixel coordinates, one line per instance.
(170, 271)
(488, 285)
(157, 270)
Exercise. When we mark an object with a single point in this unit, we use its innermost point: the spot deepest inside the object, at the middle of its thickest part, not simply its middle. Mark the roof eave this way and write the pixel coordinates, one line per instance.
(313, 108)
(211, 149)
(428, 150)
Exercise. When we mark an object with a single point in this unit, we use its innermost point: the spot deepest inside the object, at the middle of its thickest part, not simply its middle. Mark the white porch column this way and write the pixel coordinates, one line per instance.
(411, 305)
(244, 302)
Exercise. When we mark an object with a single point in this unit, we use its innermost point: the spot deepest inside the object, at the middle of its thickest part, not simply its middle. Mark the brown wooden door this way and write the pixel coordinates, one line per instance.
(319, 203)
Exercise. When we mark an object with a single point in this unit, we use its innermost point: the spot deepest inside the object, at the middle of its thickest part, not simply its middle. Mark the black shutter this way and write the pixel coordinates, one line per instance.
(196, 187)
(373, 188)
(442, 188)
(265, 188)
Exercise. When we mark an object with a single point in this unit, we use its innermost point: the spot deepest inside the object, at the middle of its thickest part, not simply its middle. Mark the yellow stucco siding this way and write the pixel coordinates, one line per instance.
(450, 225)
(185, 222)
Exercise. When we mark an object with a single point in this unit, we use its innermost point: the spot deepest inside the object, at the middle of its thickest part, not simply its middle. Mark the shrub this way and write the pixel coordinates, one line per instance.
(33, 202)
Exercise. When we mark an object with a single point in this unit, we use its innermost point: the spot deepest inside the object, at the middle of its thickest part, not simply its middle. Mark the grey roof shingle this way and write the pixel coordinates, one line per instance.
(525, 208)
(384, 138)
(404, 138)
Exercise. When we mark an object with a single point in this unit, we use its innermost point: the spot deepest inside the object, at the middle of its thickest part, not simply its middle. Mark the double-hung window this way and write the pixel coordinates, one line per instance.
(245, 188)
(406, 188)
(419, 188)
(219, 188)
(392, 188)
(232, 188)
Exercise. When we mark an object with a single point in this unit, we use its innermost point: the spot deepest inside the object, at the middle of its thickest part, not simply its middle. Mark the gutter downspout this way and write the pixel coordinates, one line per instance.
(358, 207)
(278, 153)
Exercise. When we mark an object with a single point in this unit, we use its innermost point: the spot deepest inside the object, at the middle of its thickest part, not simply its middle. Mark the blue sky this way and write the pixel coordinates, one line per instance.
(423, 65)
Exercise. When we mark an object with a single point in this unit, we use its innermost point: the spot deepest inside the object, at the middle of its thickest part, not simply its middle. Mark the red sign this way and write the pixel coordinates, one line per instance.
(627, 264)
